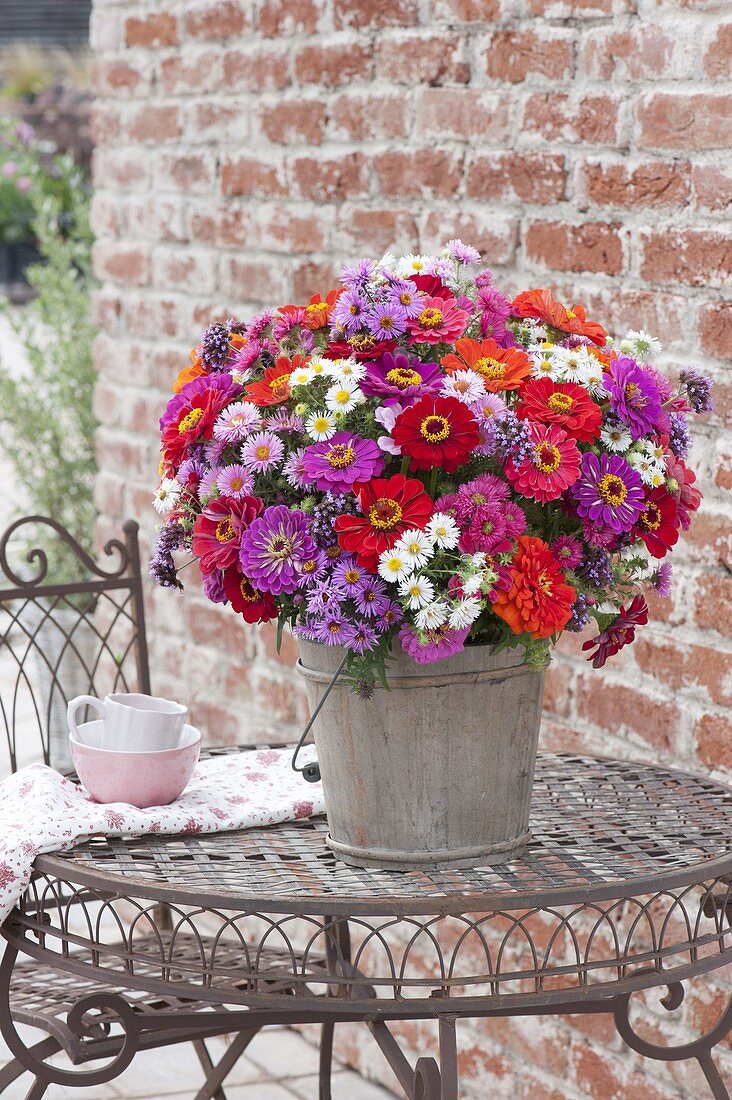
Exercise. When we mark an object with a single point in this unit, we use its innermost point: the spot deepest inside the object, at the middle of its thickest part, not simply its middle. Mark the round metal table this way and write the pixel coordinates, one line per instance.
(625, 886)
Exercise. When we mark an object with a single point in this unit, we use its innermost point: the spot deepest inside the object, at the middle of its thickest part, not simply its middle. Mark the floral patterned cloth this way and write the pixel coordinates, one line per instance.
(41, 811)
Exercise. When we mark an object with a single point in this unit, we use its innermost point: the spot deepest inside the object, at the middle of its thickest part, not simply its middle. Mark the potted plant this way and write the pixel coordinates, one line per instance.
(429, 483)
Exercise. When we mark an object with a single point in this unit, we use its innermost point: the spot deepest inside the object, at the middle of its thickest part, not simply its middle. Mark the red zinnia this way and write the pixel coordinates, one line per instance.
(539, 602)
(363, 347)
(217, 531)
(658, 524)
(621, 632)
(318, 310)
(554, 466)
(500, 368)
(544, 307)
(441, 319)
(253, 605)
(389, 506)
(431, 286)
(194, 421)
(436, 431)
(274, 386)
(562, 403)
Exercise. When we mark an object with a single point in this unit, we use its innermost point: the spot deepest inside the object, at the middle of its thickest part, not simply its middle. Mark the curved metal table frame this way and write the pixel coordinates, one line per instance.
(625, 887)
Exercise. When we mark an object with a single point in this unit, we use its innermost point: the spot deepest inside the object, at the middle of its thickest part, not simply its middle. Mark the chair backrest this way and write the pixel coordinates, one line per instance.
(62, 638)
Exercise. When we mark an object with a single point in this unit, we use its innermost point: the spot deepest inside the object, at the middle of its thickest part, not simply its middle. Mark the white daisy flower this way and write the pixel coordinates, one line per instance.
(240, 377)
(301, 376)
(417, 547)
(387, 261)
(393, 565)
(344, 396)
(412, 264)
(473, 585)
(643, 347)
(320, 425)
(465, 385)
(644, 466)
(616, 438)
(465, 613)
(477, 560)
(655, 452)
(341, 369)
(432, 616)
(443, 530)
(419, 591)
(319, 367)
(546, 365)
(576, 364)
(167, 495)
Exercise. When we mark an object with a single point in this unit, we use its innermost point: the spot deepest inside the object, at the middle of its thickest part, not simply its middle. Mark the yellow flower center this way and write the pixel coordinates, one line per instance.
(310, 565)
(321, 424)
(280, 547)
(342, 397)
(547, 458)
(634, 396)
(386, 322)
(225, 530)
(430, 317)
(490, 369)
(415, 590)
(435, 429)
(351, 576)
(362, 341)
(278, 386)
(406, 297)
(248, 592)
(650, 519)
(394, 565)
(401, 377)
(560, 403)
(262, 452)
(236, 484)
(340, 456)
(335, 628)
(333, 552)
(545, 366)
(190, 420)
(385, 514)
(612, 489)
(571, 313)
(315, 307)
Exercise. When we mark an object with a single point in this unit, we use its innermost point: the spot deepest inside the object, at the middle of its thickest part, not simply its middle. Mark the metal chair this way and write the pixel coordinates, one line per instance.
(84, 635)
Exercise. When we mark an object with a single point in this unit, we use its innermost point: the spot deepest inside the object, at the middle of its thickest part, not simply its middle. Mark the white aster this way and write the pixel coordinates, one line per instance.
(465, 613)
(465, 385)
(412, 264)
(443, 530)
(432, 616)
(616, 438)
(472, 585)
(393, 565)
(239, 377)
(544, 362)
(344, 396)
(342, 369)
(167, 495)
(302, 376)
(649, 471)
(417, 547)
(577, 364)
(642, 347)
(320, 425)
(419, 591)
(477, 560)
(387, 261)
(319, 366)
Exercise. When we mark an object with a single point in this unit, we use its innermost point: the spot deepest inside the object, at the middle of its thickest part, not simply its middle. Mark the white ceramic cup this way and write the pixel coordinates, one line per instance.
(132, 722)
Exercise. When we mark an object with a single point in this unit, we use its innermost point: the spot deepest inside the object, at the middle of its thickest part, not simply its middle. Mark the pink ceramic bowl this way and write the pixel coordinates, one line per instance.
(140, 779)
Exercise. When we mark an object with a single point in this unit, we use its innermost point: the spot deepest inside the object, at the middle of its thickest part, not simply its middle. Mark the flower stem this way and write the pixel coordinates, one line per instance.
(405, 465)
(433, 482)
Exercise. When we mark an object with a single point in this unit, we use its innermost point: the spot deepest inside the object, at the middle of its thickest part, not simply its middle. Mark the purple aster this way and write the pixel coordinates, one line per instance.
(312, 569)
(608, 492)
(439, 267)
(274, 547)
(391, 616)
(567, 550)
(337, 464)
(237, 421)
(348, 576)
(322, 596)
(213, 452)
(293, 469)
(259, 324)
(403, 293)
(363, 638)
(222, 384)
(401, 377)
(462, 253)
(262, 451)
(486, 532)
(349, 310)
(213, 346)
(335, 629)
(207, 484)
(482, 490)
(371, 598)
(358, 274)
(515, 519)
(284, 421)
(213, 586)
(486, 438)
(386, 320)
(679, 436)
(698, 389)
(661, 579)
(235, 481)
(308, 629)
(634, 397)
(432, 645)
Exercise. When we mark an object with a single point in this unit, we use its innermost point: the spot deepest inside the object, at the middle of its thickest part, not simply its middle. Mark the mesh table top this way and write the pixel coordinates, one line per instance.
(601, 829)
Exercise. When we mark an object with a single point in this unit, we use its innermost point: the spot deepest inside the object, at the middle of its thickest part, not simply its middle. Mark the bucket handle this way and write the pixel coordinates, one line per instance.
(311, 772)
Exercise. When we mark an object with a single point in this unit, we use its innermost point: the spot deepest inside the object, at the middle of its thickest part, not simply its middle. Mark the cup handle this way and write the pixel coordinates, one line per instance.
(81, 701)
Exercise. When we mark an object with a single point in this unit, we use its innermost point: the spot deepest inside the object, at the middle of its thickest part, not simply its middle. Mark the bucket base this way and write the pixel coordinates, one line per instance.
(387, 859)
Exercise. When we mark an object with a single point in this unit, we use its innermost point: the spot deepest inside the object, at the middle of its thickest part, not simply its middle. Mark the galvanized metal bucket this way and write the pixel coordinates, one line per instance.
(435, 772)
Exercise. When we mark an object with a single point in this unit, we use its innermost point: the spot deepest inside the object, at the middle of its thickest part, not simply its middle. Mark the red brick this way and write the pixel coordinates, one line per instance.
(155, 124)
(694, 257)
(713, 738)
(617, 708)
(294, 121)
(713, 601)
(120, 169)
(374, 14)
(278, 17)
(118, 77)
(718, 54)
(467, 11)
(330, 179)
(125, 264)
(366, 116)
(250, 176)
(593, 246)
(184, 269)
(438, 59)
(149, 317)
(462, 112)
(207, 121)
(516, 55)
(681, 665)
(495, 236)
(644, 52)
(592, 120)
(152, 30)
(256, 70)
(524, 177)
(676, 121)
(253, 280)
(184, 172)
(104, 123)
(290, 229)
(310, 277)
(410, 173)
(215, 21)
(603, 1079)
(333, 64)
(659, 184)
(715, 331)
(709, 539)
(377, 230)
(713, 186)
(184, 74)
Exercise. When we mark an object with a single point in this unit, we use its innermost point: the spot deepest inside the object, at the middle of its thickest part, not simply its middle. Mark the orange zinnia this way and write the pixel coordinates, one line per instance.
(539, 601)
(195, 370)
(318, 310)
(500, 368)
(274, 386)
(543, 306)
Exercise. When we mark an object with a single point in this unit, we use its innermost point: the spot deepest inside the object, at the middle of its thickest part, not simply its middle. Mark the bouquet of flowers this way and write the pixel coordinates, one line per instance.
(416, 461)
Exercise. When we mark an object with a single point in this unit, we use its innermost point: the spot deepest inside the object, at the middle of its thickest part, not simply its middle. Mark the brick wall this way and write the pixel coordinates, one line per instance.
(245, 149)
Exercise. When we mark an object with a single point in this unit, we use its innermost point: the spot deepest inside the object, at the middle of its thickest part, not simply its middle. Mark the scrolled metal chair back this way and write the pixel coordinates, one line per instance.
(63, 637)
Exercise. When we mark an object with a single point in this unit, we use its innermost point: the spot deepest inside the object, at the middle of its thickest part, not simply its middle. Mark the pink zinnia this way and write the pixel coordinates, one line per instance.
(438, 321)
(552, 468)
(432, 645)
(567, 550)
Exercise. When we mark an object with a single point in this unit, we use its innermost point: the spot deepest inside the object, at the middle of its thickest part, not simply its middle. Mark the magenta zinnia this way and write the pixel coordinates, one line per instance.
(608, 492)
(274, 548)
(339, 463)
